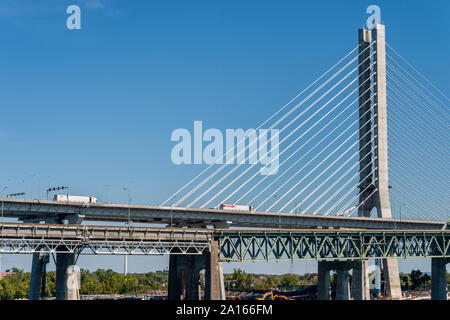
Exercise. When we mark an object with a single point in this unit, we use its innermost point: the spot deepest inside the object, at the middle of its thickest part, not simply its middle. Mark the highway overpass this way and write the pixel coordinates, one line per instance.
(56, 212)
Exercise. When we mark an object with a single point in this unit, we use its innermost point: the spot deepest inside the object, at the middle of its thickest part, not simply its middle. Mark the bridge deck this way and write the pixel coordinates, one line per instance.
(28, 210)
(235, 244)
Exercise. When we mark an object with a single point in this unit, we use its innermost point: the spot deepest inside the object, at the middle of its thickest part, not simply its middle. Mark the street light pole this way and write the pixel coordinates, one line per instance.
(401, 210)
(297, 207)
(171, 215)
(3, 195)
(129, 222)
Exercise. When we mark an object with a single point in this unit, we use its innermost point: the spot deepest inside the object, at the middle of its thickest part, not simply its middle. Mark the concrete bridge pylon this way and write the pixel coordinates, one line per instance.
(376, 188)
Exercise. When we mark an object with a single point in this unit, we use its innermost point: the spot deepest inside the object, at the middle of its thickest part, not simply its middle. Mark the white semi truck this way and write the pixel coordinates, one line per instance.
(83, 199)
(235, 207)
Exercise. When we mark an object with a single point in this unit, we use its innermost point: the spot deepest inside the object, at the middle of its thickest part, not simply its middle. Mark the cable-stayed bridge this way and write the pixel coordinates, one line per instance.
(329, 140)
(363, 146)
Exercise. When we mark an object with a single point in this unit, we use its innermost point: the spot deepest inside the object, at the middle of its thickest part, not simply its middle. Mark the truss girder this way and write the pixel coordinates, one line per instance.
(262, 246)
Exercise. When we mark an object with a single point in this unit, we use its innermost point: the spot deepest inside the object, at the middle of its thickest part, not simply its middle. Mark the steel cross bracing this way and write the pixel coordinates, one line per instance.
(106, 247)
(235, 245)
(29, 238)
(331, 245)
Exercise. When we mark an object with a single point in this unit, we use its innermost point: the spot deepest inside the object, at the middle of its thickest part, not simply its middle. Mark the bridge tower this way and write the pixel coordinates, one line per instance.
(375, 190)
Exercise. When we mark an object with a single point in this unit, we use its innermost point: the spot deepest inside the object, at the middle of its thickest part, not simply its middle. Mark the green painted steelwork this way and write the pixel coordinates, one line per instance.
(331, 245)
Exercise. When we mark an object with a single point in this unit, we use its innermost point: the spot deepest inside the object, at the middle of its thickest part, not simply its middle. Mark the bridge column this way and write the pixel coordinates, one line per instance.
(323, 281)
(438, 278)
(40, 259)
(342, 284)
(360, 280)
(63, 261)
(392, 278)
(37, 280)
(214, 282)
(184, 275)
(176, 278)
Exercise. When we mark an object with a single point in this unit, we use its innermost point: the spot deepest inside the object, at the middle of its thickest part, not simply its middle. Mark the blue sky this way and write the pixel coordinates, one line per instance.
(94, 108)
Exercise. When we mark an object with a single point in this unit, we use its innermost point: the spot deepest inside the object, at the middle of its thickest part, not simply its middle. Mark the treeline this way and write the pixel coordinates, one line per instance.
(98, 282)
(416, 280)
(109, 282)
(242, 281)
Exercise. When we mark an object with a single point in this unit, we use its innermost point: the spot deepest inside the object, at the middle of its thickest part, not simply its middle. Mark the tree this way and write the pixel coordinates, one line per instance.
(405, 281)
(242, 280)
(419, 279)
(288, 280)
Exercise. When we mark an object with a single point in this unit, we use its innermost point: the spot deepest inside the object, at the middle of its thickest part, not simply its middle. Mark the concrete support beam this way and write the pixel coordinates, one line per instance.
(176, 283)
(73, 283)
(342, 285)
(63, 261)
(37, 275)
(323, 281)
(184, 276)
(214, 282)
(438, 278)
(360, 280)
(392, 286)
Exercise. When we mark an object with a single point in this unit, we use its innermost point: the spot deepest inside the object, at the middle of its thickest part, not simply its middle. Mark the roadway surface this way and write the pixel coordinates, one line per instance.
(42, 210)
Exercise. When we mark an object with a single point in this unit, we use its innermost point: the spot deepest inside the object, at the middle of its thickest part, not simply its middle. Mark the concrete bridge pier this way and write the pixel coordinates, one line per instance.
(360, 280)
(323, 281)
(184, 276)
(438, 278)
(38, 275)
(63, 261)
(40, 259)
(342, 284)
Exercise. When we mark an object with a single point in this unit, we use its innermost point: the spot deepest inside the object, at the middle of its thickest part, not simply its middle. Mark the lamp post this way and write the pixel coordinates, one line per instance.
(401, 205)
(129, 200)
(60, 188)
(297, 207)
(171, 214)
(125, 262)
(10, 196)
(3, 195)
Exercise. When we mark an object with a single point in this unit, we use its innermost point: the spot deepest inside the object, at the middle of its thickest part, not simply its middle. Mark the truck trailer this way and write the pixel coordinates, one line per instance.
(83, 199)
(235, 207)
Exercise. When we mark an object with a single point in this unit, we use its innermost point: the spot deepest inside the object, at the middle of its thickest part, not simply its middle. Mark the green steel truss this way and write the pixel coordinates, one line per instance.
(326, 245)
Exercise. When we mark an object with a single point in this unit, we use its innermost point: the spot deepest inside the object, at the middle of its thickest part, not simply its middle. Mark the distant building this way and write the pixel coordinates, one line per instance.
(6, 274)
